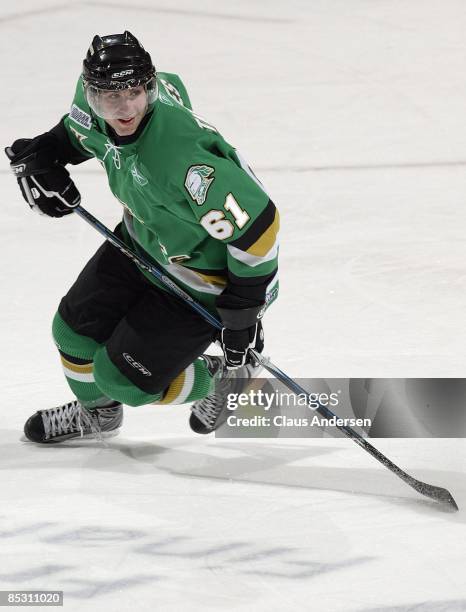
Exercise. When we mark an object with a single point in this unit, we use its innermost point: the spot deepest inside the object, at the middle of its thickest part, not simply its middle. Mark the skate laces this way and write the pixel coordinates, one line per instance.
(69, 418)
(207, 410)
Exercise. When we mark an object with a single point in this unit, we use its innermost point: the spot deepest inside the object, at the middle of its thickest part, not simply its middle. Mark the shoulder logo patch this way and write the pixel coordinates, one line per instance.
(197, 182)
(80, 117)
(81, 138)
(78, 135)
(172, 91)
(165, 99)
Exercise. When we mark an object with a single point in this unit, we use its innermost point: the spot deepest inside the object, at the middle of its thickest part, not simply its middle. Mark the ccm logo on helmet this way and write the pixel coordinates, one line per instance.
(135, 364)
(117, 75)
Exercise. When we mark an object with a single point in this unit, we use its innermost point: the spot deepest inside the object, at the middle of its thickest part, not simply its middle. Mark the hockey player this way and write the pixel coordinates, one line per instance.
(192, 206)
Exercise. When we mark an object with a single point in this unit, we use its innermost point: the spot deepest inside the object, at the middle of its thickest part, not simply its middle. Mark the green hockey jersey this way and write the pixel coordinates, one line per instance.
(191, 204)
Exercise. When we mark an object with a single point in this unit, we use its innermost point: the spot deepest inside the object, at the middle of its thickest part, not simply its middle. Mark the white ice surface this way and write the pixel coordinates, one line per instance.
(352, 113)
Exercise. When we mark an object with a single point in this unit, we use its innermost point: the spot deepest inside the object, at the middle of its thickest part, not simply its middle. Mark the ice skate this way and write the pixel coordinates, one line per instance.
(209, 413)
(72, 420)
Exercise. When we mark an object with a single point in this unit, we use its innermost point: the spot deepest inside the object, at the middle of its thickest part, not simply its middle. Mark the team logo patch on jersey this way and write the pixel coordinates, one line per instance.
(79, 136)
(172, 91)
(165, 99)
(80, 117)
(197, 182)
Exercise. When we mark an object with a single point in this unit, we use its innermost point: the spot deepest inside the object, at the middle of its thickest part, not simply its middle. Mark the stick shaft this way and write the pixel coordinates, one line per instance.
(425, 489)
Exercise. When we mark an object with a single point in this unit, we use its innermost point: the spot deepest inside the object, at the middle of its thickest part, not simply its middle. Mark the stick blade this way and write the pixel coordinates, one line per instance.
(438, 494)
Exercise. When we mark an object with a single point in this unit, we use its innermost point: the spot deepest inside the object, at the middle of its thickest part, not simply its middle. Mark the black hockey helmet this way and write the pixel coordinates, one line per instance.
(117, 61)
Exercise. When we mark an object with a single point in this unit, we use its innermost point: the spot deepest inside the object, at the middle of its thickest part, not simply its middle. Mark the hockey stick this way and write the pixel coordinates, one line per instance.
(438, 494)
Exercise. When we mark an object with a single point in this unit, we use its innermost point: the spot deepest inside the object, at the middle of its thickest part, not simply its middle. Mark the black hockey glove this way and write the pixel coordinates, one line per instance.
(45, 183)
(242, 329)
(237, 342)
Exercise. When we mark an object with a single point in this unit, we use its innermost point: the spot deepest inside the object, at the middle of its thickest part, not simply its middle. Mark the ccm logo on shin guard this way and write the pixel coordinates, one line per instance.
(135, 364)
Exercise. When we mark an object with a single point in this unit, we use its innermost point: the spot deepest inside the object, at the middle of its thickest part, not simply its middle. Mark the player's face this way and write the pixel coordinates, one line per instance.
(124, 109)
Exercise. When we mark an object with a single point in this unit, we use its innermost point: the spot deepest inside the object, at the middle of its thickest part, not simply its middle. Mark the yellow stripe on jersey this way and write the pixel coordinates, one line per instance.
(221, 281)
(266, 242)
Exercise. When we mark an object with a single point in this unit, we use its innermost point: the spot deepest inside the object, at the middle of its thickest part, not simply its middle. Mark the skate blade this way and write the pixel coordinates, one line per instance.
(75, 440)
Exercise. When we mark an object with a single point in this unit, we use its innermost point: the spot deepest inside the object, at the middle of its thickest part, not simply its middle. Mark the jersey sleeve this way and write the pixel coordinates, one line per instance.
(78, 122)
(233, 208)
(68, 154)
